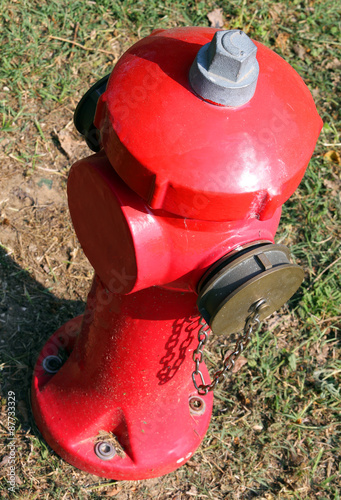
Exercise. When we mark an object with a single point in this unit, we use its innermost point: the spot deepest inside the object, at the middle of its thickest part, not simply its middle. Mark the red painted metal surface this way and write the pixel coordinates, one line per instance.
(129, 373)
(179, 184)
(195, 159)
(132, 246)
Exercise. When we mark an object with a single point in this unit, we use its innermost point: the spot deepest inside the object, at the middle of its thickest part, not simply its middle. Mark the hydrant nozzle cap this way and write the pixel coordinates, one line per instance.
(225, 71)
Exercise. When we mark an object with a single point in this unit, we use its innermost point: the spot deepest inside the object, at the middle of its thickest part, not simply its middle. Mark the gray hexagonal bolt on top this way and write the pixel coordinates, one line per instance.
(225, 71)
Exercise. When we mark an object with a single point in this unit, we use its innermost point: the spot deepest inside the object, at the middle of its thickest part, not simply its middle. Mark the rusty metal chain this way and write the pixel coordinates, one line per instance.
(229, 361)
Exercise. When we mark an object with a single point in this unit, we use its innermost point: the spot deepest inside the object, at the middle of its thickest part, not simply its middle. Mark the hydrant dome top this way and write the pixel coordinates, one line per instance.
(196, 159)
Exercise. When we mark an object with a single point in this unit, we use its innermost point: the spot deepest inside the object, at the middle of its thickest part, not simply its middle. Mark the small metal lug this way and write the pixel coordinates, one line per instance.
(197, 405)
(105, 450)
(52, 364)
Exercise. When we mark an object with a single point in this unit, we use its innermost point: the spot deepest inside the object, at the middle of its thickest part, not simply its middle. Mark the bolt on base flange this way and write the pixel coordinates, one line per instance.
(105, 450)
(197, 405)
(52, 364)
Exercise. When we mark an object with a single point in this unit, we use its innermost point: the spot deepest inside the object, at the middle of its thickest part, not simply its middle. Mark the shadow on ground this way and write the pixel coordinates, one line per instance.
(29, 315)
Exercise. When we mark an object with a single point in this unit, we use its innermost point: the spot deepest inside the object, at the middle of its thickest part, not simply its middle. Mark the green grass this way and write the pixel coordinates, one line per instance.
(275, 431)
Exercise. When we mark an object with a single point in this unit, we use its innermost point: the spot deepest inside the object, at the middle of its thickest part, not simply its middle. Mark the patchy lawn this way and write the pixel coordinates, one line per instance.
(275, 429)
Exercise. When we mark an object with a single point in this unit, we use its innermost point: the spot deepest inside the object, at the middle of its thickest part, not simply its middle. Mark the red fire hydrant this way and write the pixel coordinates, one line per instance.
(200, 137)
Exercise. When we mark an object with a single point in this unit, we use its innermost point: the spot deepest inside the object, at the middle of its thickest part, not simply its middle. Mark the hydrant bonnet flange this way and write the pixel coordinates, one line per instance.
(252, 150)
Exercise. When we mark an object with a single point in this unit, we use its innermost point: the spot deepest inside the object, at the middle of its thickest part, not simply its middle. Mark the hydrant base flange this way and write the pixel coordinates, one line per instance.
(152, 433)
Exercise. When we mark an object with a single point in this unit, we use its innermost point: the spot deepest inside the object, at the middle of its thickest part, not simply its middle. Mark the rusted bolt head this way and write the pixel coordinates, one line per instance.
(197, 405)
